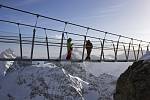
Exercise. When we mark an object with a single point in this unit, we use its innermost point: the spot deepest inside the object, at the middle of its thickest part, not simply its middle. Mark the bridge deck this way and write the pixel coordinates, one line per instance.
(52, 60)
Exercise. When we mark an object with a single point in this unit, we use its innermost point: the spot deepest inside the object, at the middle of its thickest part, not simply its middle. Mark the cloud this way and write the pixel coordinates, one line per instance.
(104, 12)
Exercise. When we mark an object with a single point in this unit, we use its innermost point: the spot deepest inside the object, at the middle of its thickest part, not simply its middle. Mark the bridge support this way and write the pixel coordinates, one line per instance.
(47, 48)
(138, 50)
(62, 38)
(116, 50)
(148, 46)
(20, 45)
(133, 49)
(125, 52)
(102, 48)
(33, 38)
(84, 44)
(128, 51)
(20, 41)
(83, 48)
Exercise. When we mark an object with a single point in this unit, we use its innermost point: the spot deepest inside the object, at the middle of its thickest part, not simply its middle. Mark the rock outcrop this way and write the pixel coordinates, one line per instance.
(134, 83)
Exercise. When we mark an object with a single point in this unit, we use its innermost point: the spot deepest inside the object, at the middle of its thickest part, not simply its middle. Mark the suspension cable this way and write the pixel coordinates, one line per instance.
(65, 22)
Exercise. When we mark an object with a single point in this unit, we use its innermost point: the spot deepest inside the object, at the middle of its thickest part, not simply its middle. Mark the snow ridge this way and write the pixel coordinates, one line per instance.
(55, 81)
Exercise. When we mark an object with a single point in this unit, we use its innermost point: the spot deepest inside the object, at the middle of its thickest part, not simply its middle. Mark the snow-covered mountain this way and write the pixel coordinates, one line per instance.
(55, 81)
(99, 88)
(4, 65)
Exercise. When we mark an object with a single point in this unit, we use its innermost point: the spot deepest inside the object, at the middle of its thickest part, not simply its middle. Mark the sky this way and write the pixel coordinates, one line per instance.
(125, 17)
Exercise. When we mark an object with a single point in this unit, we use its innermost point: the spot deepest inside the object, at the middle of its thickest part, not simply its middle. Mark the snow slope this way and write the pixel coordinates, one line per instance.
(40, 82)
(49, 82)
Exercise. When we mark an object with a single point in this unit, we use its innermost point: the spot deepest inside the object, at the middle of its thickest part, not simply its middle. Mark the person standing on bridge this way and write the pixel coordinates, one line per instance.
(88, 47)
(69, 49)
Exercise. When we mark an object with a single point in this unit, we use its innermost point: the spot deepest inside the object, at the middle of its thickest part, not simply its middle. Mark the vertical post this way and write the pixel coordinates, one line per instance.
(148, 47)
(117, 49)
(84, 44)
(102, 48)
(20, 45)
(138, 50)
(47, 48)
(134, 53)
(33, 38)
(62, 40)
(125, 52)
(114, 46)
(133, 49)
(20, 41)
(61, 46)
(128, 51)
(47, 45)
(83, 48)
(65, 29)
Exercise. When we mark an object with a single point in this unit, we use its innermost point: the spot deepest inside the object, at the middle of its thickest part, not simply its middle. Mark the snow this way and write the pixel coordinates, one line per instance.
(146, 56)
(4, 65)
(48, 81)
(112, 68)
(34, 82)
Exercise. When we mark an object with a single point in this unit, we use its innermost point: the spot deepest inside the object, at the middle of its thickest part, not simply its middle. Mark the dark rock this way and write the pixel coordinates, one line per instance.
(134, 83)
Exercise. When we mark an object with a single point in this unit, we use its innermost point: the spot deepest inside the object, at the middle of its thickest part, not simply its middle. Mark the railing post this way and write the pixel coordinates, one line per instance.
(114, 46)
(33, 38)
(117, 48)
(47, 48)
(20, 41)
(83, 48)
(125, 52)
(148, 47)
(128, 51)
(61, 46)
(133, 49)
(138, 50)
(62, 40)
(134, 53)
(48, 56)
(102, 48)
(20, 45)
(84, 44)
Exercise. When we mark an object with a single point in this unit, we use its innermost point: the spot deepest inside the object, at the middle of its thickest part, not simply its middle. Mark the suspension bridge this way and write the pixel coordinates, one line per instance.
(107, 46)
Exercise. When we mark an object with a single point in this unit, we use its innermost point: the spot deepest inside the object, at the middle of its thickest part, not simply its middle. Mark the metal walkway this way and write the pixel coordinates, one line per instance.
(107, 46)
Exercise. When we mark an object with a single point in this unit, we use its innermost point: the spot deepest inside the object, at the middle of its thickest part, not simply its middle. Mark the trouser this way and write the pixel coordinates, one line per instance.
(69, 54)
(88, 54)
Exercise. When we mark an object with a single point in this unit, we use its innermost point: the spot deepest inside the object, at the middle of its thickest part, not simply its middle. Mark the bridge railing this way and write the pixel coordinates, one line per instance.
(104, 49)
(100, 46)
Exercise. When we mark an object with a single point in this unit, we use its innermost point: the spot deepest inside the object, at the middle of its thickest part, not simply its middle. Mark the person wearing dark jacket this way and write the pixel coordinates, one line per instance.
(88, 47)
